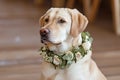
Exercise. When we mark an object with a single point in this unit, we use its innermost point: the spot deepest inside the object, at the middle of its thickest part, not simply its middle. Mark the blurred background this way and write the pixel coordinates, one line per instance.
(20, 40)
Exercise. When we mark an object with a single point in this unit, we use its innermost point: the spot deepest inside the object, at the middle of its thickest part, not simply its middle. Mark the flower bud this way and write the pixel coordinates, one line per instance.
(78, 55)
(56, 60)
(68, 56)
(86, 45)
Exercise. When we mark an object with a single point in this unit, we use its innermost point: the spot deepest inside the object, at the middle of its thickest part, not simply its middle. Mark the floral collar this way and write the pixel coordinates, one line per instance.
(65, 59)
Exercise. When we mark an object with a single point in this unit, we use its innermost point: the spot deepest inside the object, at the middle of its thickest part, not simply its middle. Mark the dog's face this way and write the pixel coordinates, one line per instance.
(59, 23)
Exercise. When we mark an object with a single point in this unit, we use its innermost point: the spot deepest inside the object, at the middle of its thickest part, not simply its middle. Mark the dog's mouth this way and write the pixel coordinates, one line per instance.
(46, 41)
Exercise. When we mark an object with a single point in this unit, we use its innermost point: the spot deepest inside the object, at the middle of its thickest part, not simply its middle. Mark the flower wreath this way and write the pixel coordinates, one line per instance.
(65, 59)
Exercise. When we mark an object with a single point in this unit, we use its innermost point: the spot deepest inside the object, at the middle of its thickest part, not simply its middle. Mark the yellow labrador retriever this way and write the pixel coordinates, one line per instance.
(60, 30)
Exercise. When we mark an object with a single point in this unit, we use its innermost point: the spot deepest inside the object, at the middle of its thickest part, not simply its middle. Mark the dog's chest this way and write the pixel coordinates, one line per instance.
(75, 72)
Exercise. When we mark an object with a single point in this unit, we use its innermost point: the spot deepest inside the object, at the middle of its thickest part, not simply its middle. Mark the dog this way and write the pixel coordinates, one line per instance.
(60, 29)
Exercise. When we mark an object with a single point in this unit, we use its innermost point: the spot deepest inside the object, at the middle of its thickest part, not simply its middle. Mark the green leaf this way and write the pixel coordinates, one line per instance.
(87, 33)
(91, 39)
(63, 64)
(83, 36)
(82, 51)
(69, 62)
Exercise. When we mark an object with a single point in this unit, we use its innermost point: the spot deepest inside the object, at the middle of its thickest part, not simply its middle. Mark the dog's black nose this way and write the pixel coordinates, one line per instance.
(44, 32)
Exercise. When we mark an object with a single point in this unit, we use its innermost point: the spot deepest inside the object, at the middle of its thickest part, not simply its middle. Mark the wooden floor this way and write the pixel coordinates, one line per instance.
(19, 42)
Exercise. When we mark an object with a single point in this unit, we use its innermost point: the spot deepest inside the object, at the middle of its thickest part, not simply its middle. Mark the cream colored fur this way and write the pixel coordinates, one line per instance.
(62, 37)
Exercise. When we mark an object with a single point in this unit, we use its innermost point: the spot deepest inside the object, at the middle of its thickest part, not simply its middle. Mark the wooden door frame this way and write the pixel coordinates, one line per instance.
(116, 15)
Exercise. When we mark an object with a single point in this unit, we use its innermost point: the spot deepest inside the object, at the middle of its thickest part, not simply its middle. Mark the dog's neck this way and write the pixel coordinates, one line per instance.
(67, 44)
(69, 51)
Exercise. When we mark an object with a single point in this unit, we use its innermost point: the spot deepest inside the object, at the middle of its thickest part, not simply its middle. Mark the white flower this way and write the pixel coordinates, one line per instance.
(78, 55)
(56, 60)
(68, 56)
(86, 45)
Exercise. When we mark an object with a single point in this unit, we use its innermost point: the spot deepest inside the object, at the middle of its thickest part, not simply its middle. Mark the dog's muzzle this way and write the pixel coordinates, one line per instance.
(44, 34)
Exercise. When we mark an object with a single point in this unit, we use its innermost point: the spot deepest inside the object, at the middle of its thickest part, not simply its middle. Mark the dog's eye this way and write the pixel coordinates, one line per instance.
(46, 20)
(61, 21)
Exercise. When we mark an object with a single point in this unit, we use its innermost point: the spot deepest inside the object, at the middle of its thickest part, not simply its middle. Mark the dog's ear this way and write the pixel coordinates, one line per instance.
(79, 22)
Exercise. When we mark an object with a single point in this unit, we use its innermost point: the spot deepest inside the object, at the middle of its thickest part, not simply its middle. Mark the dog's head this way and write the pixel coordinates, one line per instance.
(59, 23)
